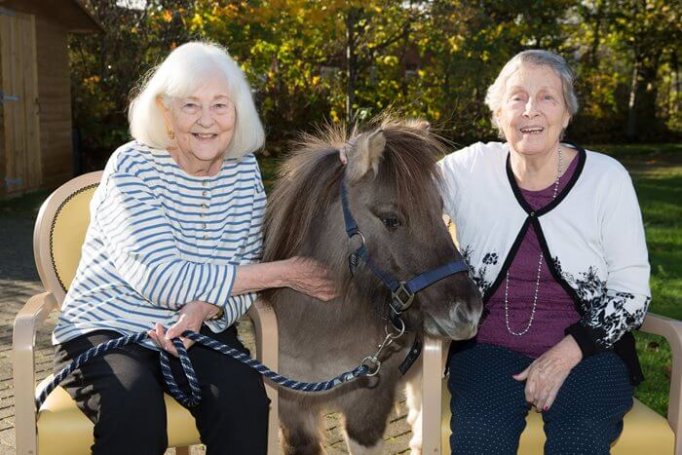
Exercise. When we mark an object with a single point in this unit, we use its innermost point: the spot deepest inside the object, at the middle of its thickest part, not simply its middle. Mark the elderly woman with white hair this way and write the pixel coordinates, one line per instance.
(554, 238)
(173, 244)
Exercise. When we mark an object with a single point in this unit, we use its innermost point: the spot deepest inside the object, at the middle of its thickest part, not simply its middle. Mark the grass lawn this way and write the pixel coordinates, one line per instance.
(657, 173)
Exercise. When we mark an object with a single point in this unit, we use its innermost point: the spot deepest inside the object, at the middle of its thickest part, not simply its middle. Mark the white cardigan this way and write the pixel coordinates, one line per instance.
(592, 232)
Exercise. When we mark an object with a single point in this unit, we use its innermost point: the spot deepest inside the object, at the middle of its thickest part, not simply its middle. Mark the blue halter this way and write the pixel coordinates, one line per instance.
(402, 292)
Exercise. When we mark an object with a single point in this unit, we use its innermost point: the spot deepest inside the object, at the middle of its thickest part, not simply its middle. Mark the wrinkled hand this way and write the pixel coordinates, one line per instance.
(192, 316)
(545, 376)
(311, 277)
(344, 150)
(343, 156)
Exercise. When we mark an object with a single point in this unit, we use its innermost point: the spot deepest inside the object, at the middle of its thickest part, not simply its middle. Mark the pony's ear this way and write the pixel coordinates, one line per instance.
(368, 151)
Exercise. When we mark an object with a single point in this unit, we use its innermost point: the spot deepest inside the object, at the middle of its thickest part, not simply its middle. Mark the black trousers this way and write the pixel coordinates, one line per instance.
(121, 392)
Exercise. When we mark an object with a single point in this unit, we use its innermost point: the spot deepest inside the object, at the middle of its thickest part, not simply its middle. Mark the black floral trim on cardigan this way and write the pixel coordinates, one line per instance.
(479, 275)
(603, 309)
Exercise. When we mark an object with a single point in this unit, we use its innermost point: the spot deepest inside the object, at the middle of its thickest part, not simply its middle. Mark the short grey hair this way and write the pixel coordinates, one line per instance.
(184, 70)
(493, 98)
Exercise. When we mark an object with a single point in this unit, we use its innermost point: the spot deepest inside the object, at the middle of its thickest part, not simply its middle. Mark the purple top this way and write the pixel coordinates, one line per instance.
(555, 309)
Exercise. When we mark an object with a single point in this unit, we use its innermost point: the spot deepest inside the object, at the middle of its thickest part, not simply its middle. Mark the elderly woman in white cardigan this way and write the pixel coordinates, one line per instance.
(554, 238)
(173, 244)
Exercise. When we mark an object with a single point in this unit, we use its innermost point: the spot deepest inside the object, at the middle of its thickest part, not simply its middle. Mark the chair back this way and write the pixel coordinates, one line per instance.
(60, 231)
(58, 238)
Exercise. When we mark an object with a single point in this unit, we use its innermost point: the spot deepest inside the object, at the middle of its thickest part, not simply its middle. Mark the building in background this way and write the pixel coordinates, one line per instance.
(36, 146)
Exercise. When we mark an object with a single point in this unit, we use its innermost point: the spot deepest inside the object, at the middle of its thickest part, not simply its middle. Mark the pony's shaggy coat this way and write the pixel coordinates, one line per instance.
(392, 182)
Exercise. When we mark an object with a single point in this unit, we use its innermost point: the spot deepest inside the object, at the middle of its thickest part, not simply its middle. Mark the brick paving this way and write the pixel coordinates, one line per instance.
(19, 280)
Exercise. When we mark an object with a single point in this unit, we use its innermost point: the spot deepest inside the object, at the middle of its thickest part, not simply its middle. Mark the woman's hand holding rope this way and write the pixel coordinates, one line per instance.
(192, 316)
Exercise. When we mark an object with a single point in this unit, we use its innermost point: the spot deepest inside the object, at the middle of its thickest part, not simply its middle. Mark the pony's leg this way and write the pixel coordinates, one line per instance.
(300, 428)
(413, 394)
(366, 412)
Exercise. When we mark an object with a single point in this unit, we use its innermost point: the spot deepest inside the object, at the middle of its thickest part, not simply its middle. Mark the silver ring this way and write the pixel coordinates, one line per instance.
(375, 362)
(362, 237)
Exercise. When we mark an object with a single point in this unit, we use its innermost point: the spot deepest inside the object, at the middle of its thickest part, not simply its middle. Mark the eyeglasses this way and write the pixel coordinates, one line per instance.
(220, 107)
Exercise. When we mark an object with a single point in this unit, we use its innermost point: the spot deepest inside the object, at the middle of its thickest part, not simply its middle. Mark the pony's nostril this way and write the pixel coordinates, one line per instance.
(465, 313)
(461, 313)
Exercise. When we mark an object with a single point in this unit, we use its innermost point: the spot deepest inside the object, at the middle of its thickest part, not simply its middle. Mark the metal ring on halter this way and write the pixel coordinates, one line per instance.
(362, 237)
(401, 329)
(371, 362)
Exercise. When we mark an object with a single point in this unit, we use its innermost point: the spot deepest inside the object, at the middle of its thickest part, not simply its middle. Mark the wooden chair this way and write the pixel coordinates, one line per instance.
(59, 427)
(644, 432)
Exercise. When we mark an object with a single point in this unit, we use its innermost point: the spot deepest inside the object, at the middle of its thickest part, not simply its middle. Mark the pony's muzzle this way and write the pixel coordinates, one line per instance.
(459, 323)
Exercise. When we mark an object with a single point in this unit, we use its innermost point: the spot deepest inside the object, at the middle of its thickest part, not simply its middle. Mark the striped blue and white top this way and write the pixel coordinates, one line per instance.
(160, 238)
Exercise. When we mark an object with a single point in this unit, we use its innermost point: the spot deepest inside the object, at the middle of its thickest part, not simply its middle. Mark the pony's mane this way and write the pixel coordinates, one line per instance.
(308, 181)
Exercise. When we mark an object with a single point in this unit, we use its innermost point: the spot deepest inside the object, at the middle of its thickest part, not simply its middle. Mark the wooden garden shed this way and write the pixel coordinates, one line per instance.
(36, 147)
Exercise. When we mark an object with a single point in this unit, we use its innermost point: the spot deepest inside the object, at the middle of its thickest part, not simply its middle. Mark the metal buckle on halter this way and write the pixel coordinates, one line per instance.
(353, 262)
(354, 257)
(404, 297)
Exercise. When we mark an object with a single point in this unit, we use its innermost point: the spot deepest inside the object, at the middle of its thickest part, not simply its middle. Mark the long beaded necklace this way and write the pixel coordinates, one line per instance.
(537, 279)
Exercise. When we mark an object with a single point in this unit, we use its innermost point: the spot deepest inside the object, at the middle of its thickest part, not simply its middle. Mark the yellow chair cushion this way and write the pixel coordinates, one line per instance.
(64, 430)
(644, 432)
(68, 233)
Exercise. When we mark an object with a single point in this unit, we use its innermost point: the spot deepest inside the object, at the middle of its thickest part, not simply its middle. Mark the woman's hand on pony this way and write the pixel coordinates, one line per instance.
(310, 277)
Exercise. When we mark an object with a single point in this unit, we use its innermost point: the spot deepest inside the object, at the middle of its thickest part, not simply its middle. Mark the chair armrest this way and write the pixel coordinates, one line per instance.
(671, 329)
(267, 351)
(26, 323)
(265, 326)
(432, 394)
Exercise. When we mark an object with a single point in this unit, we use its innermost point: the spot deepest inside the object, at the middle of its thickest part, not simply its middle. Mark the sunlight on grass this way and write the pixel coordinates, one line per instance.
(657, 174)
(656, 359)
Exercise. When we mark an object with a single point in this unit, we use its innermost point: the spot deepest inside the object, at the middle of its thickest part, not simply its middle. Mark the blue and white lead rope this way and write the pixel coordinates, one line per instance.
(195, 393)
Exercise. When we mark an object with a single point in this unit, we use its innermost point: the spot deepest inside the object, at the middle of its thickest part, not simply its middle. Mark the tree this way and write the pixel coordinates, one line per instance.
(652, 30)
(106, 69)
(311, 61)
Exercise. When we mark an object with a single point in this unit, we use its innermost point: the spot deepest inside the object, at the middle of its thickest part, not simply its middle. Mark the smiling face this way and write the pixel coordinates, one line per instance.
(533, 113)
(202, 124)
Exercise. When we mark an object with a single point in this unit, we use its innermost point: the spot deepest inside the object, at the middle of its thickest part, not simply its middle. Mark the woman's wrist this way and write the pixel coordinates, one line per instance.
(208, 311)
(572, 350)
(285, 272)
(218, 314)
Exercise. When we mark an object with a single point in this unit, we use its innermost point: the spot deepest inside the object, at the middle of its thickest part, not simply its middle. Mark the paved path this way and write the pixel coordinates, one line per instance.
(19, 280)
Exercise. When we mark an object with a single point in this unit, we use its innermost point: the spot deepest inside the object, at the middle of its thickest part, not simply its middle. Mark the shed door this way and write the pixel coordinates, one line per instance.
(20, 158)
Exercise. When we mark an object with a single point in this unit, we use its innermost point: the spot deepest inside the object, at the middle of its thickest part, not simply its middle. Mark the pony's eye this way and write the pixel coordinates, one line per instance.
(391, 223)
